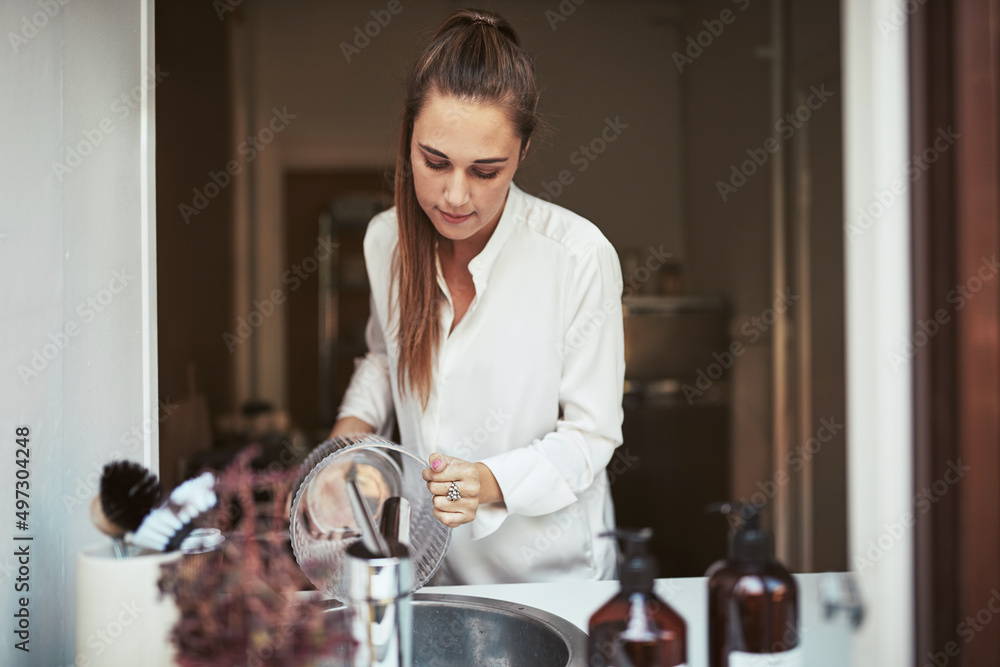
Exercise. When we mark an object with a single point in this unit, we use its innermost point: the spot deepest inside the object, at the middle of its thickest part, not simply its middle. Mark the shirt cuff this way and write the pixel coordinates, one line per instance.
(488, 519)
(531, 485)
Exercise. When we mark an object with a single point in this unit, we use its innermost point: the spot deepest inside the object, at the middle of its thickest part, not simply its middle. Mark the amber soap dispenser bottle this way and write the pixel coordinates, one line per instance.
(753, 600)
(635, 628)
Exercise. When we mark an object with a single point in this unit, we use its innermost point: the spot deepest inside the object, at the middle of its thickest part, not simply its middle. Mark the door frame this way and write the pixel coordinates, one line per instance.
(878, 285)
(956, 218)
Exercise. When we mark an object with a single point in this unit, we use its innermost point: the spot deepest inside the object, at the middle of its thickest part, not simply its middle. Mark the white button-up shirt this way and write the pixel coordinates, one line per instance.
(529, 383)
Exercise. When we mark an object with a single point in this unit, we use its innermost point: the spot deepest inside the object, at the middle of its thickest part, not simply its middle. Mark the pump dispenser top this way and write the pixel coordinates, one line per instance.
(752, 598)
(638, 570)
(635, 628)
(749, 543)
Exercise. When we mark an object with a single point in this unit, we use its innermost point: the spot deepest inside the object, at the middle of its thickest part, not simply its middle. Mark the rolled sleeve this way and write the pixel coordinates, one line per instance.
(369, 394)
(550, 473)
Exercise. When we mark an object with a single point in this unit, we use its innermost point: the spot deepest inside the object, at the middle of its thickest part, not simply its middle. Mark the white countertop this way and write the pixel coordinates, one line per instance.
(825, 643)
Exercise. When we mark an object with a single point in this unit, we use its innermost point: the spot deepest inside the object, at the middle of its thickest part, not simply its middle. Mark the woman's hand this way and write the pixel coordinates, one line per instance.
(474, 481)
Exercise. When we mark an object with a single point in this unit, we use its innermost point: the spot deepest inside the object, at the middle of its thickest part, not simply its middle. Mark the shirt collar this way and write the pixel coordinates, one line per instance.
(481, 266)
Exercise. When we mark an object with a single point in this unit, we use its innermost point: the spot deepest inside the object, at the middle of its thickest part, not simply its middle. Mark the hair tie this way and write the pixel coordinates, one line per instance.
(484, 19)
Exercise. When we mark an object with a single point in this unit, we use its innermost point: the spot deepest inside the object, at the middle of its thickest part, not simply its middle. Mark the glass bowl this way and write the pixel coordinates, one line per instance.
(322, 524)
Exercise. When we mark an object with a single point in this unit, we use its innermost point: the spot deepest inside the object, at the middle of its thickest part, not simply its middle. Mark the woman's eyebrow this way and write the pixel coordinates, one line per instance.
(489, 160)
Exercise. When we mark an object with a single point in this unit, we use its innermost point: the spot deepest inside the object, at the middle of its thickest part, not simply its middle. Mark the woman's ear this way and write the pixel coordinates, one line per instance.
(524, 151)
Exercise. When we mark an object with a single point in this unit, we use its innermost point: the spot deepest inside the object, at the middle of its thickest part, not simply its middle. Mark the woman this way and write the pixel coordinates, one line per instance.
(496, 329)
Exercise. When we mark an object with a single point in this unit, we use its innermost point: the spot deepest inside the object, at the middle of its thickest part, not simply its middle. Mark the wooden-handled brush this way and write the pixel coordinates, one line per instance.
(128, 493)
(166, 526)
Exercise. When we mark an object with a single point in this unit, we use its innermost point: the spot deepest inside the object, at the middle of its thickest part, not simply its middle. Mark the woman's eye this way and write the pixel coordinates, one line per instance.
(438, 166)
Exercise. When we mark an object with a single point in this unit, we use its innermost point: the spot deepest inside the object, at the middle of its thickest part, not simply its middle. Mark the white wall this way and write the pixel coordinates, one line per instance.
(62, 240)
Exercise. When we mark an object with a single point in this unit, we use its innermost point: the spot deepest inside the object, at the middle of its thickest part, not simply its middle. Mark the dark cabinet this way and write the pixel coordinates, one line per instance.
(675, 459)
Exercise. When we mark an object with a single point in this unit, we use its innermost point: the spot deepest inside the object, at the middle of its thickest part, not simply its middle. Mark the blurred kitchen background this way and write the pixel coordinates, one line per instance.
(256, 335)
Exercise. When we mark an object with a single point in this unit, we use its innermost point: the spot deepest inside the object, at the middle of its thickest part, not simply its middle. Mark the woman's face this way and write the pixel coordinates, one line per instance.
(463, 158)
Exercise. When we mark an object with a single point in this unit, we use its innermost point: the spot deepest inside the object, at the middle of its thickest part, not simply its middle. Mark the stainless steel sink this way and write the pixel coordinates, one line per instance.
(450, 630)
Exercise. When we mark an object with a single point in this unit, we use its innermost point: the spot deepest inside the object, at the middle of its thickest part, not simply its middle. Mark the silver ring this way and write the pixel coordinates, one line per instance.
(453, 493)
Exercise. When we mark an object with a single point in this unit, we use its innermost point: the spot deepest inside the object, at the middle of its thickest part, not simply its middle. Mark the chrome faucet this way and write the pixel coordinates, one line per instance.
(380, 606)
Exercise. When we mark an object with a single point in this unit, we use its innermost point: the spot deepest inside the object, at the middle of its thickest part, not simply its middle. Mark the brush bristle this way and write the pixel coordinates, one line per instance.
(128, 493)
(157, 529)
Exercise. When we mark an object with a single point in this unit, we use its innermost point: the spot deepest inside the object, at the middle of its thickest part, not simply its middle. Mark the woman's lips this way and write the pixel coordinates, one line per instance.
(454, 219)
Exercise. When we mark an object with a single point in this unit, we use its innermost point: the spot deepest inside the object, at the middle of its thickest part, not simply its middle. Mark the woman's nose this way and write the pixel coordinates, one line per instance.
(456, 190)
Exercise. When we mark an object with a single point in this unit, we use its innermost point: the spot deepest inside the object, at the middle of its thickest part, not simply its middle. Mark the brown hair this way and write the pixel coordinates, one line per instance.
(475, 56)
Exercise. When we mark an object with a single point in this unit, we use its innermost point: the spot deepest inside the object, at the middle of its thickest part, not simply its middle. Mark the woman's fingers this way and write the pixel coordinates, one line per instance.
(439, 488)
(442, 504)
(452, 519)
(442, 473)
(467, 488)
(445, 471)
(439, 468)
(454, 513)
